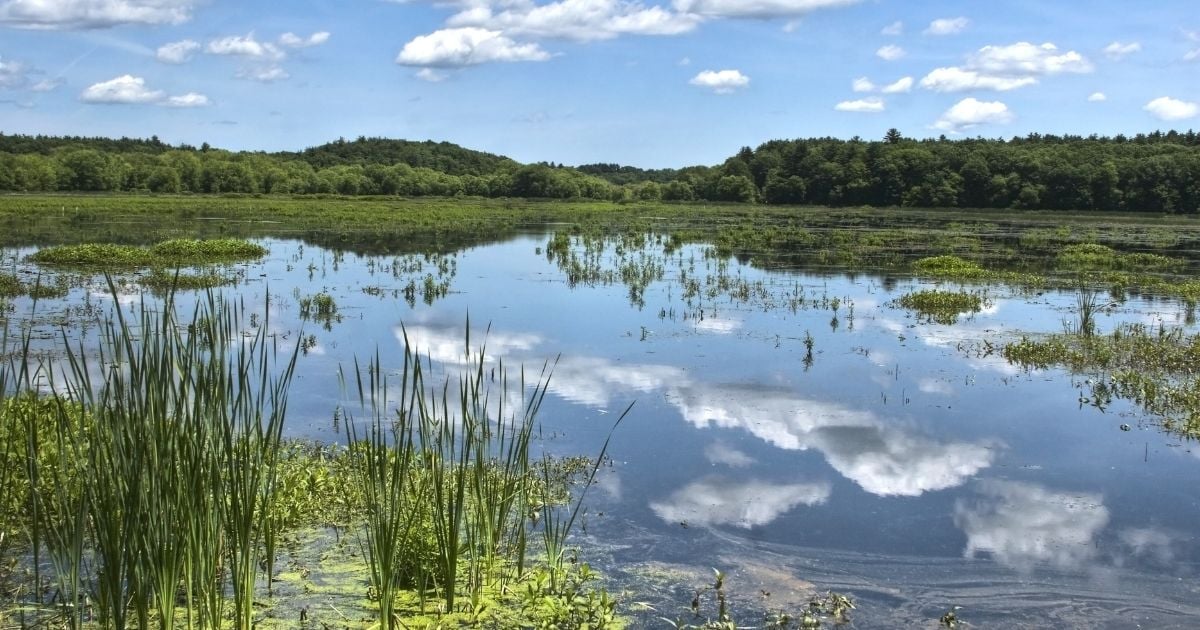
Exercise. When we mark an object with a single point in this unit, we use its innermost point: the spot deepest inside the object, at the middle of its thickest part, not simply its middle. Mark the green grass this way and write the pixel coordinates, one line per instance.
(174, 252)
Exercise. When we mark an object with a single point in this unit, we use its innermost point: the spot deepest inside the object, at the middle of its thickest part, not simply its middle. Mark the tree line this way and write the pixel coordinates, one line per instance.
(1157, 172)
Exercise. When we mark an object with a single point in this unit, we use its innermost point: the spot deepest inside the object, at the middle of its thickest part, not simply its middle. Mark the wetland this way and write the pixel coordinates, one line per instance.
(688, 415)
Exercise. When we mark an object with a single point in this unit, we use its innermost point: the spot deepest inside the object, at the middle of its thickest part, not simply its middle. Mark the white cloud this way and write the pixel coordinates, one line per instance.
(863, 84)
(191, 99)
(266, 74)
(431, 75)
(761, 9)
(1024, 58)
(969, 113)
(954, 79)
(1117, 50)
(1192, 55)
(717, 501)
(177, 52)
(248, 46)
(890, 52)
(686, 61)
(457, 47)
(292, 40)
(581, 20)
(869, 105)
(1003, 68)
(1023, 525)
(13, 74)
(47, 85)
(721, 81)
(1171, 109)
(125, 89)
(1097, 97)
(947, 26)
(91, 14)
(901, 86)
(893, 29)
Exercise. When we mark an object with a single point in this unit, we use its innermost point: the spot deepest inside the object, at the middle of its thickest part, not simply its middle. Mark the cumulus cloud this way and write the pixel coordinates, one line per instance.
(93, 14)
(458, 47)
(893, 29)
(581, 20)
(721, 81)
(177, 52)
(1024, 58)
(1117, 50)
(890, 52)
(1097, 97)
(717, 501)
(723, 454)
(191, 99)
(1024, 525)
(1192, 55)
(970, 112)
(954, 79)
(947, 26)
(245, 46)
(1171, 109)
(130, 90)
(760, 9)
(125, 89)
(901, 86)
(1003, 68)
(868, 105)
(292, 40)
(863, 84)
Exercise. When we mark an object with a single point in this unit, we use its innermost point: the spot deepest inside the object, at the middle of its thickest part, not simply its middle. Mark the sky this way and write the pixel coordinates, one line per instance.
(649, 83)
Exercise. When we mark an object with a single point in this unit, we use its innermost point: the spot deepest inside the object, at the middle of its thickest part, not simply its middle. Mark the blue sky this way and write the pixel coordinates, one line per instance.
(651, 83)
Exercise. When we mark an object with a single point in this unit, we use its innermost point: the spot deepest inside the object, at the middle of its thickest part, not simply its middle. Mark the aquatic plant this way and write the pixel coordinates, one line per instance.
(165, 254)
(942, 307)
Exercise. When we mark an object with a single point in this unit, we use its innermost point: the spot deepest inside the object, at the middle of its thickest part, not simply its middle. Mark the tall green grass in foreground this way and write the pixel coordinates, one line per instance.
(157, 462)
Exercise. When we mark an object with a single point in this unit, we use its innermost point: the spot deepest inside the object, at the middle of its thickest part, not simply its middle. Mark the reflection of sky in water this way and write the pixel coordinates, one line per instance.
(902, 439)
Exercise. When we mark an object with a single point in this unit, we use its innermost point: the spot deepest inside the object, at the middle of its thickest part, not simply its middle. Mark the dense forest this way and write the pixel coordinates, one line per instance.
(1157, 172)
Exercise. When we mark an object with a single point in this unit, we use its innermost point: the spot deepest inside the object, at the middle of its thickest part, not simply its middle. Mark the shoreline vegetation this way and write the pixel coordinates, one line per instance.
(1154, 172)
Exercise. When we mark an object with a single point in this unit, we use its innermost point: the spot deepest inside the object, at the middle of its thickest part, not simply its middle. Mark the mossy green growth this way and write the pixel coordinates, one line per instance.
(963, 270)
(1095, 257)
(165, 254)
(942, 307)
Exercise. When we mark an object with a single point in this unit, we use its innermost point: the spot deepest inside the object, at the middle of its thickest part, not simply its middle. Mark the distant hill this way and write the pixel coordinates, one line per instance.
(443, 157)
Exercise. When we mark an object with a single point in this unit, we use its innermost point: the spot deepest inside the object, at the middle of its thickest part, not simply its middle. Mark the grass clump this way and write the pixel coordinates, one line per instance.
(11, 286)
(942, 307)
(165, 254)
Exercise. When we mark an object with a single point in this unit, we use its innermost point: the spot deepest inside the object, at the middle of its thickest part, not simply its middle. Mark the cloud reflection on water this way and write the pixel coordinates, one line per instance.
(715, 500)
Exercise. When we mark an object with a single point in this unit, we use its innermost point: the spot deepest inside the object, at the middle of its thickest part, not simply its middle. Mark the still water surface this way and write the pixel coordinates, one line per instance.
(900, 461)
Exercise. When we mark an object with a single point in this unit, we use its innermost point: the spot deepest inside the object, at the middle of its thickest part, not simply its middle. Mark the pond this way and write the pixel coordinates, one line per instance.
(799, 431)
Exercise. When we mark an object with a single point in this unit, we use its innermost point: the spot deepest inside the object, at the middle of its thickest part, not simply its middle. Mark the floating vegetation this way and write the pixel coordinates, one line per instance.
(942, 307)
(11, 286)
(174, 252)
(321, 308)
(1094, 257)
(833, 607)
(1157, 368)
(959, 269)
